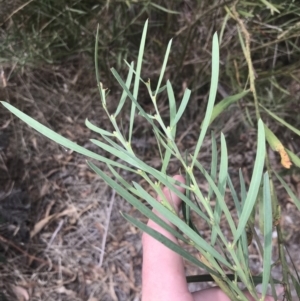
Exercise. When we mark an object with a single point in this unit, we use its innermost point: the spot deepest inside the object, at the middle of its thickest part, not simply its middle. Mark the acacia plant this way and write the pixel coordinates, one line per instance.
(225, 258)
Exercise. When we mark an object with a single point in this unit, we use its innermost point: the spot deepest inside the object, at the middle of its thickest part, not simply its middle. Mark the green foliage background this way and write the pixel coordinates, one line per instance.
(56, 32)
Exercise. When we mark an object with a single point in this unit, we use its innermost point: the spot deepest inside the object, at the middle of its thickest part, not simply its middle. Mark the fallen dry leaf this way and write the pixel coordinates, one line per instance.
(42, 223)
(63, 290)
(20, 292)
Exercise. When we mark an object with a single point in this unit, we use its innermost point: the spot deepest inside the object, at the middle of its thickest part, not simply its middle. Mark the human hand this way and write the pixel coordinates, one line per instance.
(163, 273)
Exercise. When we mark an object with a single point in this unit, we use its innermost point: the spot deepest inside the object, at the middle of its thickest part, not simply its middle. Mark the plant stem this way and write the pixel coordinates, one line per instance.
(221, 283)
(285, 269)
(247, 54)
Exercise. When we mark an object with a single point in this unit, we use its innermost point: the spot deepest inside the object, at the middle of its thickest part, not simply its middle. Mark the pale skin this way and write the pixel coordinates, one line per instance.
(163, 272)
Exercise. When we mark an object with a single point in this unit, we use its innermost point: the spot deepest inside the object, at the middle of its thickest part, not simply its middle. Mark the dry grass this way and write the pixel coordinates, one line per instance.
(63, 256)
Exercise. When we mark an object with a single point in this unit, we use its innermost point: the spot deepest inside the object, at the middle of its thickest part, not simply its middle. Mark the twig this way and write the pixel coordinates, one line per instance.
(112, 199)
(17, 10)
(55, 232)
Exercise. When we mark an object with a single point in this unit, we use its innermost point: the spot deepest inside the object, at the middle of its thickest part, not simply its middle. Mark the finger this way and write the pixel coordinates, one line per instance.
(163, 271)
(171, 197)
(215, 293)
